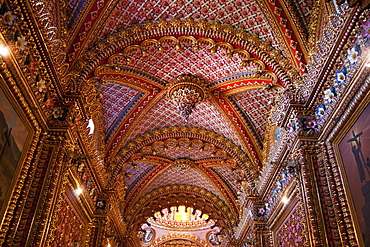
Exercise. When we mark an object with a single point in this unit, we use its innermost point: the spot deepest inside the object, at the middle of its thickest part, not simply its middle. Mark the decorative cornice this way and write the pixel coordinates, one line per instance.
(193, 196)
(126, 55)
(184, 236)
(126, 152)
(126, 37)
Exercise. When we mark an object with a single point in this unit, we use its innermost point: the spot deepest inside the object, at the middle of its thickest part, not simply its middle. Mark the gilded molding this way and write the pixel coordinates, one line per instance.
(125, 37)
(90, 107)
(126, 152)
(308, 151)
(193, 196)
(177, 42)
(314, 26)
(50, 32)
(49, 155)
(189, 237)
(325, 172)
(326, 52)
(345, 223)
(17, 201)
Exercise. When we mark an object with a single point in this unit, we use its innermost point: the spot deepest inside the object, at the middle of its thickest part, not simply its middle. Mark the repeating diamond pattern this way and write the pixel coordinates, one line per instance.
(136, 174)
(191, 176)
(205, 115)
(255, 104)
(170, 63)
(116, 99)
(242, 14)
(231, 177)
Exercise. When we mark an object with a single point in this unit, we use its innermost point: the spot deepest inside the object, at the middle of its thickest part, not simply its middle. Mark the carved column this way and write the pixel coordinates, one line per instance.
(19, 211)
(307, 152)
(328, 193)
(50, 171)
(254, 225)
(97, 232)
(339, 200)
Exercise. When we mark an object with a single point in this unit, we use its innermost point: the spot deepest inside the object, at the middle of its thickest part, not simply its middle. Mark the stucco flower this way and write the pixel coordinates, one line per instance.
(100, 204)
(261, 211)
(320, 111)
(353, 54)
(340, 76)
(41, 85)
(58, 112)
(330, 94)
(310, 123)
(9, 18)
(21, 42)
(284, 177)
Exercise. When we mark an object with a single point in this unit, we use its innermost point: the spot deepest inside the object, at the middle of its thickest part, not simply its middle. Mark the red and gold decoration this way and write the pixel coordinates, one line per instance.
(158, 123)
(186, 91)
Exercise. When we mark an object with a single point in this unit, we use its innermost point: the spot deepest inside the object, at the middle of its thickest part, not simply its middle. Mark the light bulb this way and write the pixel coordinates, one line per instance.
(4, 51)
(78, 191)
(285, 200)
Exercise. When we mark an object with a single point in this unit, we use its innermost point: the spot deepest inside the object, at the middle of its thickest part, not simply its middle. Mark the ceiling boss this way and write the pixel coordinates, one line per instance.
(186, 91)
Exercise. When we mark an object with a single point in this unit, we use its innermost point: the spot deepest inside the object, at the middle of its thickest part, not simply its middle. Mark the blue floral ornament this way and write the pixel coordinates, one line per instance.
(340, 76)
(329, 95)
(354, 53)
(9, 18)
(358, 48)
(320, 111)
(284, 177)
(278, 189)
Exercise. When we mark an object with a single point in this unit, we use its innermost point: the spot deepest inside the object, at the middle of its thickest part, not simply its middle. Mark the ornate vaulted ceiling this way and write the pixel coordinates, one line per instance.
(124, 57)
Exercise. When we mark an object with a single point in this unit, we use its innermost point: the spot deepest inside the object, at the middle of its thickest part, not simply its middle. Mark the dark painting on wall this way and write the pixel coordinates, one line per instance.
(13, 134)
(355, 153)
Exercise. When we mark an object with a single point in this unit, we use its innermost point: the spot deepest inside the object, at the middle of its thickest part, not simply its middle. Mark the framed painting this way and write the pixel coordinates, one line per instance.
(354, 154)
(14, 135)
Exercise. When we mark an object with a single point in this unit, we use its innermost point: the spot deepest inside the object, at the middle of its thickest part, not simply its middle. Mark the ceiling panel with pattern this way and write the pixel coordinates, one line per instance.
(183, 81)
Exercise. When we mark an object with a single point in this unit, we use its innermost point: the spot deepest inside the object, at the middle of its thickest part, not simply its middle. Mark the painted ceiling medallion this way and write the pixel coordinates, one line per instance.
(186, 91)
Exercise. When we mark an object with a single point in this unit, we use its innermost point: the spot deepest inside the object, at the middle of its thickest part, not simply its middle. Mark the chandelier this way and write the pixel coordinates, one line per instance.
(181, 218)
(186, 91)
